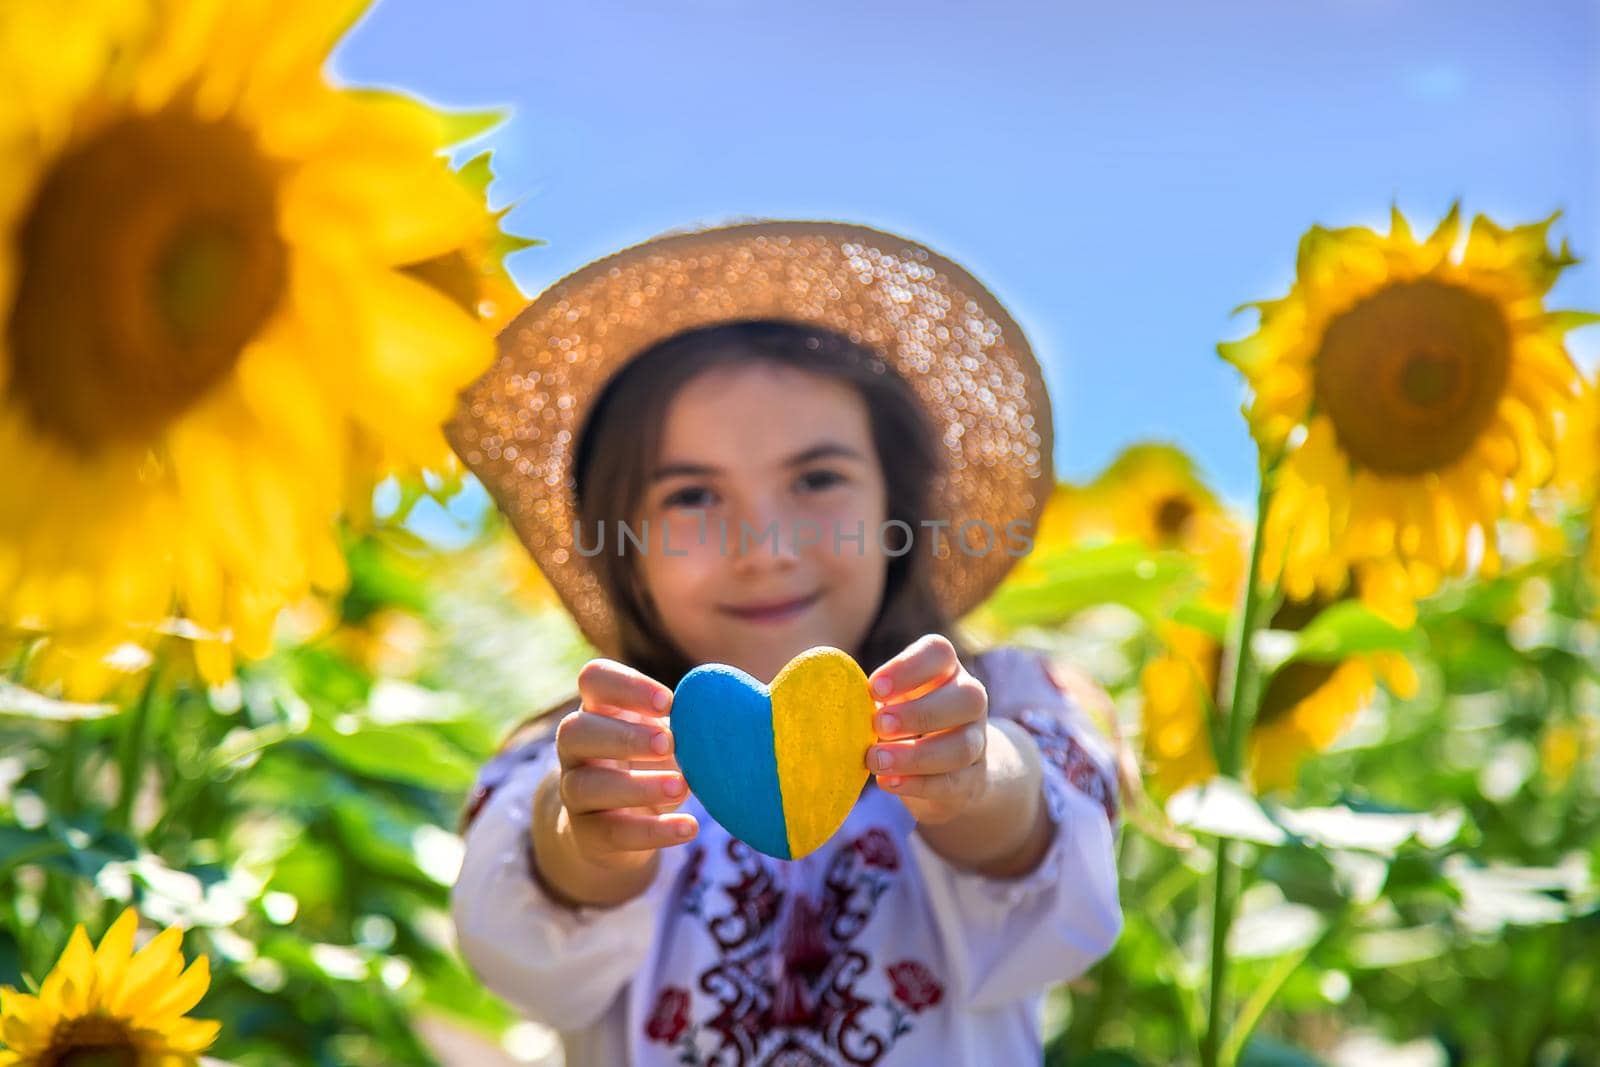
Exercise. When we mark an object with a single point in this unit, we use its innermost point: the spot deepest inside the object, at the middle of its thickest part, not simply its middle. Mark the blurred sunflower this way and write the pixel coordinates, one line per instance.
(232, 297)
(1305, 705)
(110, 1005)
(1567, 745)
(1150, 493)
(1418, 395)
(1060, 528)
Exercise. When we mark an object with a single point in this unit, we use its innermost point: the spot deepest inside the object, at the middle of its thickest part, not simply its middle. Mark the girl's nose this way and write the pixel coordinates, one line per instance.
(762, 536)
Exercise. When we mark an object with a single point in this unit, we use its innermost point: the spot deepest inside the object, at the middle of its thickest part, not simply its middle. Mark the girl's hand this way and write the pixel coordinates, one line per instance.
(933, 722)
(615, 815)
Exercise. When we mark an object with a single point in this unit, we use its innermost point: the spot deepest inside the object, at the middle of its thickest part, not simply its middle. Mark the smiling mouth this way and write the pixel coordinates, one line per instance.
(776, 612)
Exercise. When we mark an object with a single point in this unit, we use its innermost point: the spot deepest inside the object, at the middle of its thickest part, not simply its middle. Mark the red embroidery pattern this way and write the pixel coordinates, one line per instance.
(671, 1016)
(914, 985)
(877, 850)
(784, 988)
(1058, 745)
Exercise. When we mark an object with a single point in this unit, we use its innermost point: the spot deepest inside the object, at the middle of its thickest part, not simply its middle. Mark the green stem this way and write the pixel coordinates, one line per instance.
(1221, 920)
(1261, 999)
(1239, 697)
(130, 756)
(1239, 692)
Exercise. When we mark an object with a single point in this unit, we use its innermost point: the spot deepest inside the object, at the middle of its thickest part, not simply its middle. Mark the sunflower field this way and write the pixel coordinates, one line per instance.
(248, 683)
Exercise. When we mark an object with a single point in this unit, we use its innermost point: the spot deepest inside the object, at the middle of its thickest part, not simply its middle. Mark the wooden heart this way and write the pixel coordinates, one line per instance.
(779, 768)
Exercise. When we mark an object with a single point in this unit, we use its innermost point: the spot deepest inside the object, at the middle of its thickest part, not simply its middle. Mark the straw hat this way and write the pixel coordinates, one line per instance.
(517, 426)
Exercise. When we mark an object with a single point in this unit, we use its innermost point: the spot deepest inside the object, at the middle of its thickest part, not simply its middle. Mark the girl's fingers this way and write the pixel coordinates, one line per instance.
(941, 753)
(928, 661)
(961, 700)
(954, 790)
(586, 735)
(626, 831)
(607, 684)
(589, 789)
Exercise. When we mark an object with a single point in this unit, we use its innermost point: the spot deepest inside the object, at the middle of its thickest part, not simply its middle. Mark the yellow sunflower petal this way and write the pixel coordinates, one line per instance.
(115, 951)
(181, 997)
(153, 968)
(70, 984)
(190, 1035)
(26, 1021)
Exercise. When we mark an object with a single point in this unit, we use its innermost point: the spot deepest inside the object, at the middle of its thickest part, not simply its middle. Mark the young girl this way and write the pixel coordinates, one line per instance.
(733, 445)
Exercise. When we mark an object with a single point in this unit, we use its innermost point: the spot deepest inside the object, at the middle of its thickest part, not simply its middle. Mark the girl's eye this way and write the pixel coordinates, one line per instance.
(821, 479)
(693, 496)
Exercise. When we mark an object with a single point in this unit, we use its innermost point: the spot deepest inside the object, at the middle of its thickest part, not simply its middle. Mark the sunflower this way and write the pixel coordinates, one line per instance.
(110, 1005)
(1059, 529)
(1568, 745)
(1415, 397)
(1150, 493)
(1304, 705)
(232, 297)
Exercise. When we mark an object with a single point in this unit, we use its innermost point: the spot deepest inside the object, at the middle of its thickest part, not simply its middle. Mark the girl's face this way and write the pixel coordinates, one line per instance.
(786, 457)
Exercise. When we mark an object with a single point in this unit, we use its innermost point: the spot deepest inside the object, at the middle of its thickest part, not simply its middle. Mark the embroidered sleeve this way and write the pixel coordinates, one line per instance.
(559, 965)
(1008, 939)
(1035, 695)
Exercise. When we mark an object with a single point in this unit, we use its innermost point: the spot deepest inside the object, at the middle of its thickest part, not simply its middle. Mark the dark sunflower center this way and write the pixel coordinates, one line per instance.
(91, 1041)
(1411, 375)
(1173, 514)
(148, 259)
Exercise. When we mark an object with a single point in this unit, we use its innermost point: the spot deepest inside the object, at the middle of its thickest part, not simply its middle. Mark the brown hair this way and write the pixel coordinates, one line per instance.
(622, 434)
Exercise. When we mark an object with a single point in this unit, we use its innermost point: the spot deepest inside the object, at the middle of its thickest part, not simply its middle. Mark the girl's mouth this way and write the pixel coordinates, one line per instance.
(782, 611)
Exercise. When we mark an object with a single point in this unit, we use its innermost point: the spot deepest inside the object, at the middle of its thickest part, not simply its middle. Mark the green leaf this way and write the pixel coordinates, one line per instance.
(1106, 1058)
(1382, 832)
(1204, 617)
(10, 960)
(477, 173)
(1378, 950)
(462, 126)
(19, 847)
(1275, 931)
(1264, 1051)
(1075, 579)
(1223, 807)
(1305, 876)
(1493, 897)
(1562, 321)
(385, 572)
(20, 702)
(401, 753)
(1349, 628)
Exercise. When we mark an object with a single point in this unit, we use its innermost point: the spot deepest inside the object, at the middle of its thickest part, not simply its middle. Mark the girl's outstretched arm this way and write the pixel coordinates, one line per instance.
(1009, 938)
(557, 964)
(599, 825)
(974, 784)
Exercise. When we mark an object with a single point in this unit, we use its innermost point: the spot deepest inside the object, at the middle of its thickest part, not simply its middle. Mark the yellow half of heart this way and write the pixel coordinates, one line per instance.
(821, 729)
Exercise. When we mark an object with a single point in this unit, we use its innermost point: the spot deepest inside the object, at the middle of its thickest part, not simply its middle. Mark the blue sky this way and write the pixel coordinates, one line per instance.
(1122, 175)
